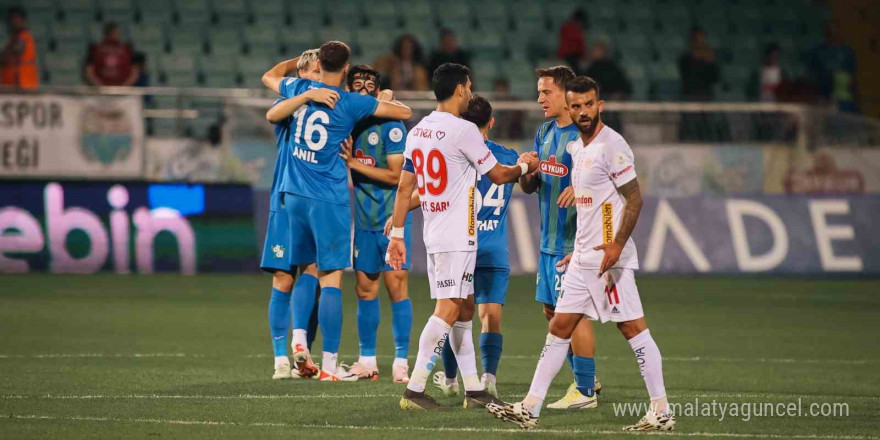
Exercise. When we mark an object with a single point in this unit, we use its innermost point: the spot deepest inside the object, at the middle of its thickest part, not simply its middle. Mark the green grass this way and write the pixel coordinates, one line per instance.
(190, 357)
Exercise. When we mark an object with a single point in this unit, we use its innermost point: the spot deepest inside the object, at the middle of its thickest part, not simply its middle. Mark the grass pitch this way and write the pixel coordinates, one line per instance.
(169, 356)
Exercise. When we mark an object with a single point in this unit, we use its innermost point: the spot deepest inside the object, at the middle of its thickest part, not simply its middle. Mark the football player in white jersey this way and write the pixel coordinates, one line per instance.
(599, 282)
(443, 155)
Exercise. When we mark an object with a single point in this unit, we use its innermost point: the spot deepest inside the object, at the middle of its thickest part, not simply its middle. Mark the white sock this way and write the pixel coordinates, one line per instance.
(651, 367)
(461, 339)
(451, 381)
(533, 405)
(430, 347)
(281, 360)
(490, 378)
(328, 364)
(299, 337)
(400, 362)
(552, 357)
(368, 361)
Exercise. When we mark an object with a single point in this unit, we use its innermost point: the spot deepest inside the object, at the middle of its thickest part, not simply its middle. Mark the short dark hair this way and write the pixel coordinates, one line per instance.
(582, 84)
(560, 74)
(16, 10)
(362, 69)
(447, 77)
(333, 56)
(479, 111)
(109, 28)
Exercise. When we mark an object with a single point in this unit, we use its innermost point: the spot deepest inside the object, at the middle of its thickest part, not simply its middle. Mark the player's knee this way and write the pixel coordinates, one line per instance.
(490, 321)
(309, 269)
(282, 281)
(631, 329)
(366, 292)
(560, 328)
(396, 285)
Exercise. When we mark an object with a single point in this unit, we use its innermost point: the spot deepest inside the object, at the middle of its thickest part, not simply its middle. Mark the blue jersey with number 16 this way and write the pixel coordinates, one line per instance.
(492, 213)
(314, 168)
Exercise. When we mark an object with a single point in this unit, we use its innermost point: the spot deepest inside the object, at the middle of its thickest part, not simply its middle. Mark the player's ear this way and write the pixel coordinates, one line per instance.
(601, 105)
(491, 122)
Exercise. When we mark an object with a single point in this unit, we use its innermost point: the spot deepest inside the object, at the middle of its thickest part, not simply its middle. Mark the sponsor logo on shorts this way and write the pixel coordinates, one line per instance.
(553, 168)
(607, 223)
(468, 277)
(278, 250)
(445, 283)
(363, 158)
(472, 222)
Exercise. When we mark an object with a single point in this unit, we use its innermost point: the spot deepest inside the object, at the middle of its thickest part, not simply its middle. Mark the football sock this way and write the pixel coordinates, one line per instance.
(368, 325)
(330, 319)
(430, 342)
(299, 337)
(328, 362)
(450, 365)
(312, 330)
(490, 347)
(584, 374)
(279, 321)
(462, 339)
(302, 302)
(401, 327)
(651, 367)
(552, 358)
(368, 361)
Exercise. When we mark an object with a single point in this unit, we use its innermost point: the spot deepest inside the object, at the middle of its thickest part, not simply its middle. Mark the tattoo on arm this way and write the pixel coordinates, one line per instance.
(633, 195)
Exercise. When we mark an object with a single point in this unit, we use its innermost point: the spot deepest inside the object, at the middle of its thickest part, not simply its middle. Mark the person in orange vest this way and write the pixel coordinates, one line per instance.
(18, 64)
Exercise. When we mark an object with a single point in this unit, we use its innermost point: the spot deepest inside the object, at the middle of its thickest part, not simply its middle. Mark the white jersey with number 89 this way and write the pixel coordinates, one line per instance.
(447, 152)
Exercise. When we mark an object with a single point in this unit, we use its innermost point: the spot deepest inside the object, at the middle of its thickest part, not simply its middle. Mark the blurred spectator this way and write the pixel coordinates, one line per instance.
(508, 123)
(612, 80)
(449, 52)
(833, 67)
(18, 65)
(698, 69)
(572, 46)
(765, 83)
(110, 61)
(403, 68)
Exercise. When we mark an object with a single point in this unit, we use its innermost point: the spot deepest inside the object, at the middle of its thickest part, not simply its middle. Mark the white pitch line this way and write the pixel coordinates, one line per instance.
(504, 357)
(563, 432)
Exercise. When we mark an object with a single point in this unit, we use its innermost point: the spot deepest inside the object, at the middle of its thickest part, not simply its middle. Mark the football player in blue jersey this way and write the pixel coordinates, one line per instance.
(314, 187)
(552, 182)
(375, 160)
(492, 270)
(275, 252)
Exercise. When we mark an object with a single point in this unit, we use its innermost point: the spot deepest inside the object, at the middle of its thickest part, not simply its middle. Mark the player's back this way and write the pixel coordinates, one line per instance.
(557, 224)
(315, 169)
(492, 213)
(282, 133)
(446, 153)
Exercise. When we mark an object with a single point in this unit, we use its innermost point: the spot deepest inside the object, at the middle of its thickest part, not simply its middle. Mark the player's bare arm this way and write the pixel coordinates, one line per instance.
(396, 254)
(530, 183)
(389, 176)
(272, 78)
(392, 110)
(501, 174)
(414, 203)
(283, 109)
(633, 196)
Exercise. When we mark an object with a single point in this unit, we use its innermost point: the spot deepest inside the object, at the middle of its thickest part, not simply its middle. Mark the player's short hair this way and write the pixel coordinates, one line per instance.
(560, 74)
(307, 57)
(447, 77)
(16, 10)
(362, 69)
(334, 55)
(582, 84)
(479, 111)
(109, 28)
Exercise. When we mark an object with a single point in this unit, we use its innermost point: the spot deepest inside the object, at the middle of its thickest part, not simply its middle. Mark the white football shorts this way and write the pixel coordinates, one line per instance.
(613, 297)
(451, 274)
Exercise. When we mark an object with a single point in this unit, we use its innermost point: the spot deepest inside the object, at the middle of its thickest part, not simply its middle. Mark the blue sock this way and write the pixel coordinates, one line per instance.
(330, 318)
(450, 365)
(303, 300)
(368, 325)
(401, 326)
(570, 359)
(584, 374)
(279, 320)
(312, 330)
(490, 347)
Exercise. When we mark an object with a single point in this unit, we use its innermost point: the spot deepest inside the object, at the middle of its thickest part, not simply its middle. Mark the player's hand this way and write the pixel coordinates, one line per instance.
(562, 265)
(530, 158)
(323, 96)
(396, 255)
(345, 150)
(566, 198)
(612, 254)
(385, 95)
(388, 226)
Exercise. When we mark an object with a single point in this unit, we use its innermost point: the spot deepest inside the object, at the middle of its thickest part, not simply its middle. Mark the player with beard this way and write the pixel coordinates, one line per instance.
(600, 281)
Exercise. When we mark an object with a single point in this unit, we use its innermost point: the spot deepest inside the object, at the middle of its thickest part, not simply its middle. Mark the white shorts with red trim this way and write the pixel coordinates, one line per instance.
(613, 297)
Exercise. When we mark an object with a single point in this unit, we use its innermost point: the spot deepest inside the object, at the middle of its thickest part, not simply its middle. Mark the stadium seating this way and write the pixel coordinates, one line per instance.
(506, 38)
